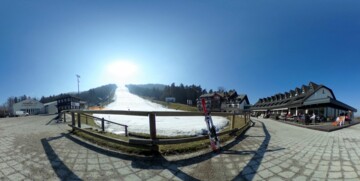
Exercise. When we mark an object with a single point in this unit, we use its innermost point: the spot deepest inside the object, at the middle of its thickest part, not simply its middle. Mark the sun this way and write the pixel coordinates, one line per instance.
(121, 72)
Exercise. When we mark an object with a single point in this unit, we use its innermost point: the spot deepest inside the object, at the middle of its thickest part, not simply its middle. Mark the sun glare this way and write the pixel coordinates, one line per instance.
(121, 72)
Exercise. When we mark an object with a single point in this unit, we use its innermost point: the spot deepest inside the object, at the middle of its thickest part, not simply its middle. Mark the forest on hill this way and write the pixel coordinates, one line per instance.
(97, 96)
(181, 93)
(102, 95)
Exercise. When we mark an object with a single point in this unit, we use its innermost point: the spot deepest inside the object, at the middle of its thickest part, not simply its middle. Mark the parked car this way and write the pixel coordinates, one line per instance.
(21, 113)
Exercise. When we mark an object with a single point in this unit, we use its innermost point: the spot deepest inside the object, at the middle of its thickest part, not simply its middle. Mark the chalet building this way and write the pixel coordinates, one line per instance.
(224, 102)
(68, 102)
(213, 102)
(305, 100)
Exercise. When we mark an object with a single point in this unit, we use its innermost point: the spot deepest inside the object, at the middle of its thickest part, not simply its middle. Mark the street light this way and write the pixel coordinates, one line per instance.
(78, 81)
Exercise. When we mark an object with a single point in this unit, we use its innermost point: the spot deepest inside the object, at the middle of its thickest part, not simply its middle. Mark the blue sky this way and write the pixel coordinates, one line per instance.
(256, 47)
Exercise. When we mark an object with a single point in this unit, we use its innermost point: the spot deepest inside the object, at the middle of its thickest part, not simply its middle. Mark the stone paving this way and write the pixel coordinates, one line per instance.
(37, 148)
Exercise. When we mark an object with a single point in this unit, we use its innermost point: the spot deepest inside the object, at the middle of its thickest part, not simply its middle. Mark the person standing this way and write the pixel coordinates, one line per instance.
(313, 117)
(342, 119)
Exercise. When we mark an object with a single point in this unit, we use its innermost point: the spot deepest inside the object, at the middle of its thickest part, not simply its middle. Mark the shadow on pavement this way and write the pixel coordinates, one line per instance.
(158, 162)
(61, 170)
(254, 163)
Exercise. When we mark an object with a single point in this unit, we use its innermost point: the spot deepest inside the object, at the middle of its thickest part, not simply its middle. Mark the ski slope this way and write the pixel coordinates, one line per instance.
(167, 126)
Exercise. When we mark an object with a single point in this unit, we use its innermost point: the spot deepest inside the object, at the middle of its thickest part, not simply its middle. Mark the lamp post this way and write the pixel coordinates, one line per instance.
(78, 81)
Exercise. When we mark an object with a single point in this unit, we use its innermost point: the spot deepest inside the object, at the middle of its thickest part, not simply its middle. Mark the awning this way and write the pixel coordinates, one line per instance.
(260, 110)
(280, 109)
(330, 101)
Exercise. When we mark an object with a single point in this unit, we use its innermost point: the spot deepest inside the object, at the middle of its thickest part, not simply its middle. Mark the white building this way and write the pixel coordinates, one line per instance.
(29, 106)
(51, 107)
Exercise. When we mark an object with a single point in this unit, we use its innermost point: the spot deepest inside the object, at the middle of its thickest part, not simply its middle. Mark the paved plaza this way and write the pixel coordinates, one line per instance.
(37, 148)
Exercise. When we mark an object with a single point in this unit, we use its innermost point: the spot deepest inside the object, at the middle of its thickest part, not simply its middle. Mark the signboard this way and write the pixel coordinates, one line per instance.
(75, 104)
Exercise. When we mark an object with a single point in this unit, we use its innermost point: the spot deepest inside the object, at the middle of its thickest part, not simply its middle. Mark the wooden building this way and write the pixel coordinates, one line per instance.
(224, 102)
(68, 102)
(305, 100)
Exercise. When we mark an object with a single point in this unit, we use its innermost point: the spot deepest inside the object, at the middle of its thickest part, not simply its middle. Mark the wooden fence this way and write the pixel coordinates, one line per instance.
(152, 123)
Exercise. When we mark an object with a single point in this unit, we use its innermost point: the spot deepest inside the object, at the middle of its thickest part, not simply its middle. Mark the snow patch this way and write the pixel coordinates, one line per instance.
(165, 125)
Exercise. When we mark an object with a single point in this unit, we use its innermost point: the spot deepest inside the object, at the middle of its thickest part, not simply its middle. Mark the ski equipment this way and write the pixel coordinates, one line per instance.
(214, 140)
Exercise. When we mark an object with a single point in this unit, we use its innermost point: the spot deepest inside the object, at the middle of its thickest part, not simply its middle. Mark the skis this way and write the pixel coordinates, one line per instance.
(214, 140)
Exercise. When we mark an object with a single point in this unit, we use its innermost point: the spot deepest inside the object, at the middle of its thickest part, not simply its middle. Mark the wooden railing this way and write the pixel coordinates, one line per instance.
(76, 117)
(152, 123)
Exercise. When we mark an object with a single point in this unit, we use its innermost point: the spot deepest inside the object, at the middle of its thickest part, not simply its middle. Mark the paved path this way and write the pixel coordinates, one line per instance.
(36, 148)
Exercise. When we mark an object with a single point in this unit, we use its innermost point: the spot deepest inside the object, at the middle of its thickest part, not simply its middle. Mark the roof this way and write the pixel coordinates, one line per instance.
(243, 97)
(208, 95)
(297, 99)
(66, 96)
(29, 101)
(225, 95)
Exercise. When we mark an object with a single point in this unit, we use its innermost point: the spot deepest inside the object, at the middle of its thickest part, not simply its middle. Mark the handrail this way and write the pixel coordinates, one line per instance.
(105, 120)
(152, 122)
(158, 113)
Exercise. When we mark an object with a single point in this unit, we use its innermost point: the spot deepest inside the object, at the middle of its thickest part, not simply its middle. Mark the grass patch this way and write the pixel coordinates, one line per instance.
(108, 134)
(88, 120)
(176, 106)
(139, 150)
(193, 146)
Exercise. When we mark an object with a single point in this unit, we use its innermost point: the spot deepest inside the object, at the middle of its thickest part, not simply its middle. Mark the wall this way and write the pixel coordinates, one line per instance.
(320, 94)
(51, 108)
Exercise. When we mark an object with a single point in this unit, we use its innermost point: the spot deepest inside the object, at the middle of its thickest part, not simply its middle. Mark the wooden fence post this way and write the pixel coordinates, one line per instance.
(103, 124)
(245, 115)
(73, 119)
(152, 122)
(233, 122)
(126, 131)
(64, 117)
(78, 119)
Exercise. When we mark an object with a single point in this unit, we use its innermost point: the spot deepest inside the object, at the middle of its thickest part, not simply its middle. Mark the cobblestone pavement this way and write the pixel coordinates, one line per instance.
(37, 148)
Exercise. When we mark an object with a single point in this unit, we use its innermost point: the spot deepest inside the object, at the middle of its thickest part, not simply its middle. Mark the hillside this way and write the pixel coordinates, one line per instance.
(181, 93)
(102, 95)
(165, 125)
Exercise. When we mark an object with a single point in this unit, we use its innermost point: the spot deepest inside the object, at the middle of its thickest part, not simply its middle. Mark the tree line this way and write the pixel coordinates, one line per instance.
(181, 93)
(94, 97)
(97, 96)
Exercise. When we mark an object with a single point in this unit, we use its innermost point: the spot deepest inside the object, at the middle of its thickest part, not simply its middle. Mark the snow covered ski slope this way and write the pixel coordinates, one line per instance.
(169, 126)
